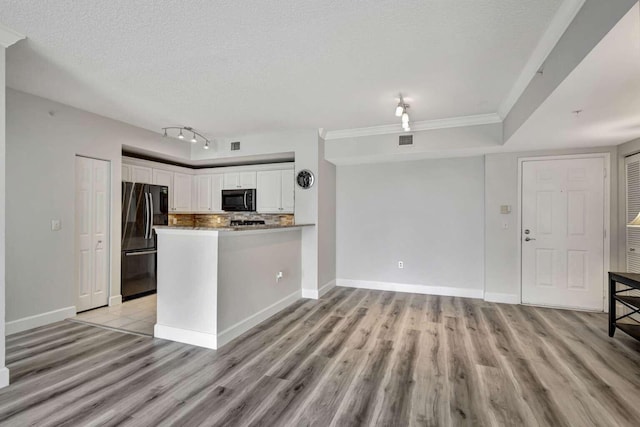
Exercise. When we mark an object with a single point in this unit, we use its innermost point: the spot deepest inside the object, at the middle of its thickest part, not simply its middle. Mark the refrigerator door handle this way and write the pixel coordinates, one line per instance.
(140, 253)
(146, 215)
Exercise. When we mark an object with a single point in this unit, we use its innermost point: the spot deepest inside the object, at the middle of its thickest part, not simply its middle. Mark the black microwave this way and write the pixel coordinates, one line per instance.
(239, 200)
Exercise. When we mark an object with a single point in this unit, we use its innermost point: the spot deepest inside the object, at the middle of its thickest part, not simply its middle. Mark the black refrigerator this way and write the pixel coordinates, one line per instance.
(143, 206)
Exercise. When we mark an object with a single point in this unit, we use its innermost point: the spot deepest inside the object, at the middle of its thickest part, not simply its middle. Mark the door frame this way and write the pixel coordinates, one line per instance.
(108, 233)
(607, 215)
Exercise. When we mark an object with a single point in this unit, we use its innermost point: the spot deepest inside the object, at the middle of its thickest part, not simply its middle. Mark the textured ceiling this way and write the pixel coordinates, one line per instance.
(230, 67)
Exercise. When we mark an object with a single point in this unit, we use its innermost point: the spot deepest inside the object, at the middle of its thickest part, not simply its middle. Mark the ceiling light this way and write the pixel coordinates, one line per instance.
(170, 131)
(401, 111)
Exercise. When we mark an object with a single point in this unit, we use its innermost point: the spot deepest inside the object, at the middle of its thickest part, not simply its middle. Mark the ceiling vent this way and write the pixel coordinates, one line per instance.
(405, 140)
(235, 146)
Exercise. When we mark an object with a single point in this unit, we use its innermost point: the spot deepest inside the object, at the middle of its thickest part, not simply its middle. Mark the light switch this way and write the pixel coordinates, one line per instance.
(505, 209)
(56, 225)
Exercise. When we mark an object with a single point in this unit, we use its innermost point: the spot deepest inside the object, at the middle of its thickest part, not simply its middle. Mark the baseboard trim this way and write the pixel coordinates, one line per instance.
(38, 320)
(115, 300)
(4, 377)
(185, 336)
(313, 294)
(234, 331)
(411, 288)
(501, 298)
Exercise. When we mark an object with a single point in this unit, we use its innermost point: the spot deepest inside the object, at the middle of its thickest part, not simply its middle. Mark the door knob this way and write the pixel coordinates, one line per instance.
(527, 239)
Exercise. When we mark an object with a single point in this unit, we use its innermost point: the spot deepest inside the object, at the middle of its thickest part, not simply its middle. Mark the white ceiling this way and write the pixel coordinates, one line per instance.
(605, 86)
(230, 67)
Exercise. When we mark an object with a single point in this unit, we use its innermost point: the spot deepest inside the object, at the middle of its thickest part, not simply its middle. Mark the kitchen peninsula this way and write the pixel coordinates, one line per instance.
(215, 283)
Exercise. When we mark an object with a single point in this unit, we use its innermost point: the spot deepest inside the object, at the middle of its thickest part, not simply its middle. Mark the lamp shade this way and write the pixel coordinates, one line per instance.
(635, 222)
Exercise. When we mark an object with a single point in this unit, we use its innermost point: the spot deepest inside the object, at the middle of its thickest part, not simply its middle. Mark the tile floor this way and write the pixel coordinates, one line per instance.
(138, 315)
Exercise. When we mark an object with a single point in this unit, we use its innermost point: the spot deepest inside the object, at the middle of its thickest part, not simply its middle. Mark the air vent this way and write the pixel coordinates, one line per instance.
(235, 146)
(405, 140)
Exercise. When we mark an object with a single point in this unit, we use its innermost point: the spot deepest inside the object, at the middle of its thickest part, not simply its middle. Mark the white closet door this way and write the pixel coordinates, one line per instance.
(92, 233)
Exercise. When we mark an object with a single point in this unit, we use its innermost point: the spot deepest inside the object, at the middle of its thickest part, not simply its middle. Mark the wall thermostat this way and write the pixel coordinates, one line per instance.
(305, 179)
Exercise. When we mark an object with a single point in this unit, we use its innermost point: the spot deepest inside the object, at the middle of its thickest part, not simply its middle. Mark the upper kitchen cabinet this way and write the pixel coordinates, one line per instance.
(275, 191)
(241, 180)
(141, 174)
(209, 193)
(181, 192)
(126, 172)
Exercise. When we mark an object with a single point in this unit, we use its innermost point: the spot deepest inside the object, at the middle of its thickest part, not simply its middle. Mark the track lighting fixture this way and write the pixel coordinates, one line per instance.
(401, 111)
(181, 129)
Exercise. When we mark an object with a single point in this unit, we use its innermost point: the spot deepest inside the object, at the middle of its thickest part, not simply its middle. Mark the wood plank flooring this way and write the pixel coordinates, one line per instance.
(354, 357)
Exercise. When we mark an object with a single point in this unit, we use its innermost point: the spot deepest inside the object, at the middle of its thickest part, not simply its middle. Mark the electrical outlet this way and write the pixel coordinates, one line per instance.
(400, 264)
(505, 225)
(56, 225)
(174, 221)
(218, 219)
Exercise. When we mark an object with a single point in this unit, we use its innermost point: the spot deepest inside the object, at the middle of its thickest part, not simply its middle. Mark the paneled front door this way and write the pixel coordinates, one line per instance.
(562, 236)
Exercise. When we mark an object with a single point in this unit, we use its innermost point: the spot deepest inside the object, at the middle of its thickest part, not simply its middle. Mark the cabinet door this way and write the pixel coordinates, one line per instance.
(141, 174)
(203, 203)
(248, 180)
(181, 192)
(165, 178)
(216, 192)
(269, 190)
(231, 180)
(126, 173)
(288, 190)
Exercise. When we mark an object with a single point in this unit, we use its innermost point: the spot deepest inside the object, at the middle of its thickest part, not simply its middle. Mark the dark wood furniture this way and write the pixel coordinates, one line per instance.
(632, 280)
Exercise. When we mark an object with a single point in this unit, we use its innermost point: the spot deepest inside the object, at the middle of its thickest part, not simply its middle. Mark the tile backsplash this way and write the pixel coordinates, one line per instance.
(223, 220)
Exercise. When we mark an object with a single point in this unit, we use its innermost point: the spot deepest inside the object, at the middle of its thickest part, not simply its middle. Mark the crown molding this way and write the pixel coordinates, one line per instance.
(550, 38)
(452, 122)
(9, 36)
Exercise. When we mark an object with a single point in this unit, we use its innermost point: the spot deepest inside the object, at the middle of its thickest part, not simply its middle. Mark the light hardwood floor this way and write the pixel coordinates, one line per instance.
(355, 357)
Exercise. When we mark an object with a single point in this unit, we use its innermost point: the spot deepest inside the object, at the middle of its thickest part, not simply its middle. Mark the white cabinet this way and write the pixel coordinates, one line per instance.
(141, 174)
(181, 192)
(275, 191)
(203, 198)
(243, 180)
(126, 172)
(288, 191)
(216, 192)
(209, 193)
(162, 177)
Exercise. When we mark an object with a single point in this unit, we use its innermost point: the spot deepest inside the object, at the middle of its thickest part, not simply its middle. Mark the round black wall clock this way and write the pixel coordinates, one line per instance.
(305, 179)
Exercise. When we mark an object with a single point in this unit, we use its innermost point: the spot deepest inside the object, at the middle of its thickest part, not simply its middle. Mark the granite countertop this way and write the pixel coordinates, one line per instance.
(236, 228)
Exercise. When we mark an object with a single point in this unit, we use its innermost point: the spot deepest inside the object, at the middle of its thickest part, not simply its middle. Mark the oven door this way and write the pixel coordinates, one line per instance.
(235, 200)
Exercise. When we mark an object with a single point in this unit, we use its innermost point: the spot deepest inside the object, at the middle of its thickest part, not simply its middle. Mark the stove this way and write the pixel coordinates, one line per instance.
(239, 222)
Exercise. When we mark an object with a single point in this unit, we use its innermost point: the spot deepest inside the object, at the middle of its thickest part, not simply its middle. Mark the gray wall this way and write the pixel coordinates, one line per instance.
(501, 188)
(326, 219)
(244, 290)
(427, 213)
(41, 150)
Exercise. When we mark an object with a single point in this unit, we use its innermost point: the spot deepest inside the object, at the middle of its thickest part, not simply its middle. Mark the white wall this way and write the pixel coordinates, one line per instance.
(502, 278)
(427, 213)
(326, 219)
(4, 373)
(43, 138)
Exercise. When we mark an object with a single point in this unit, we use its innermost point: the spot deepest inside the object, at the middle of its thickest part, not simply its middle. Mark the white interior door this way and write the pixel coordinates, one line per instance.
(563, 233)
(92, 232)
